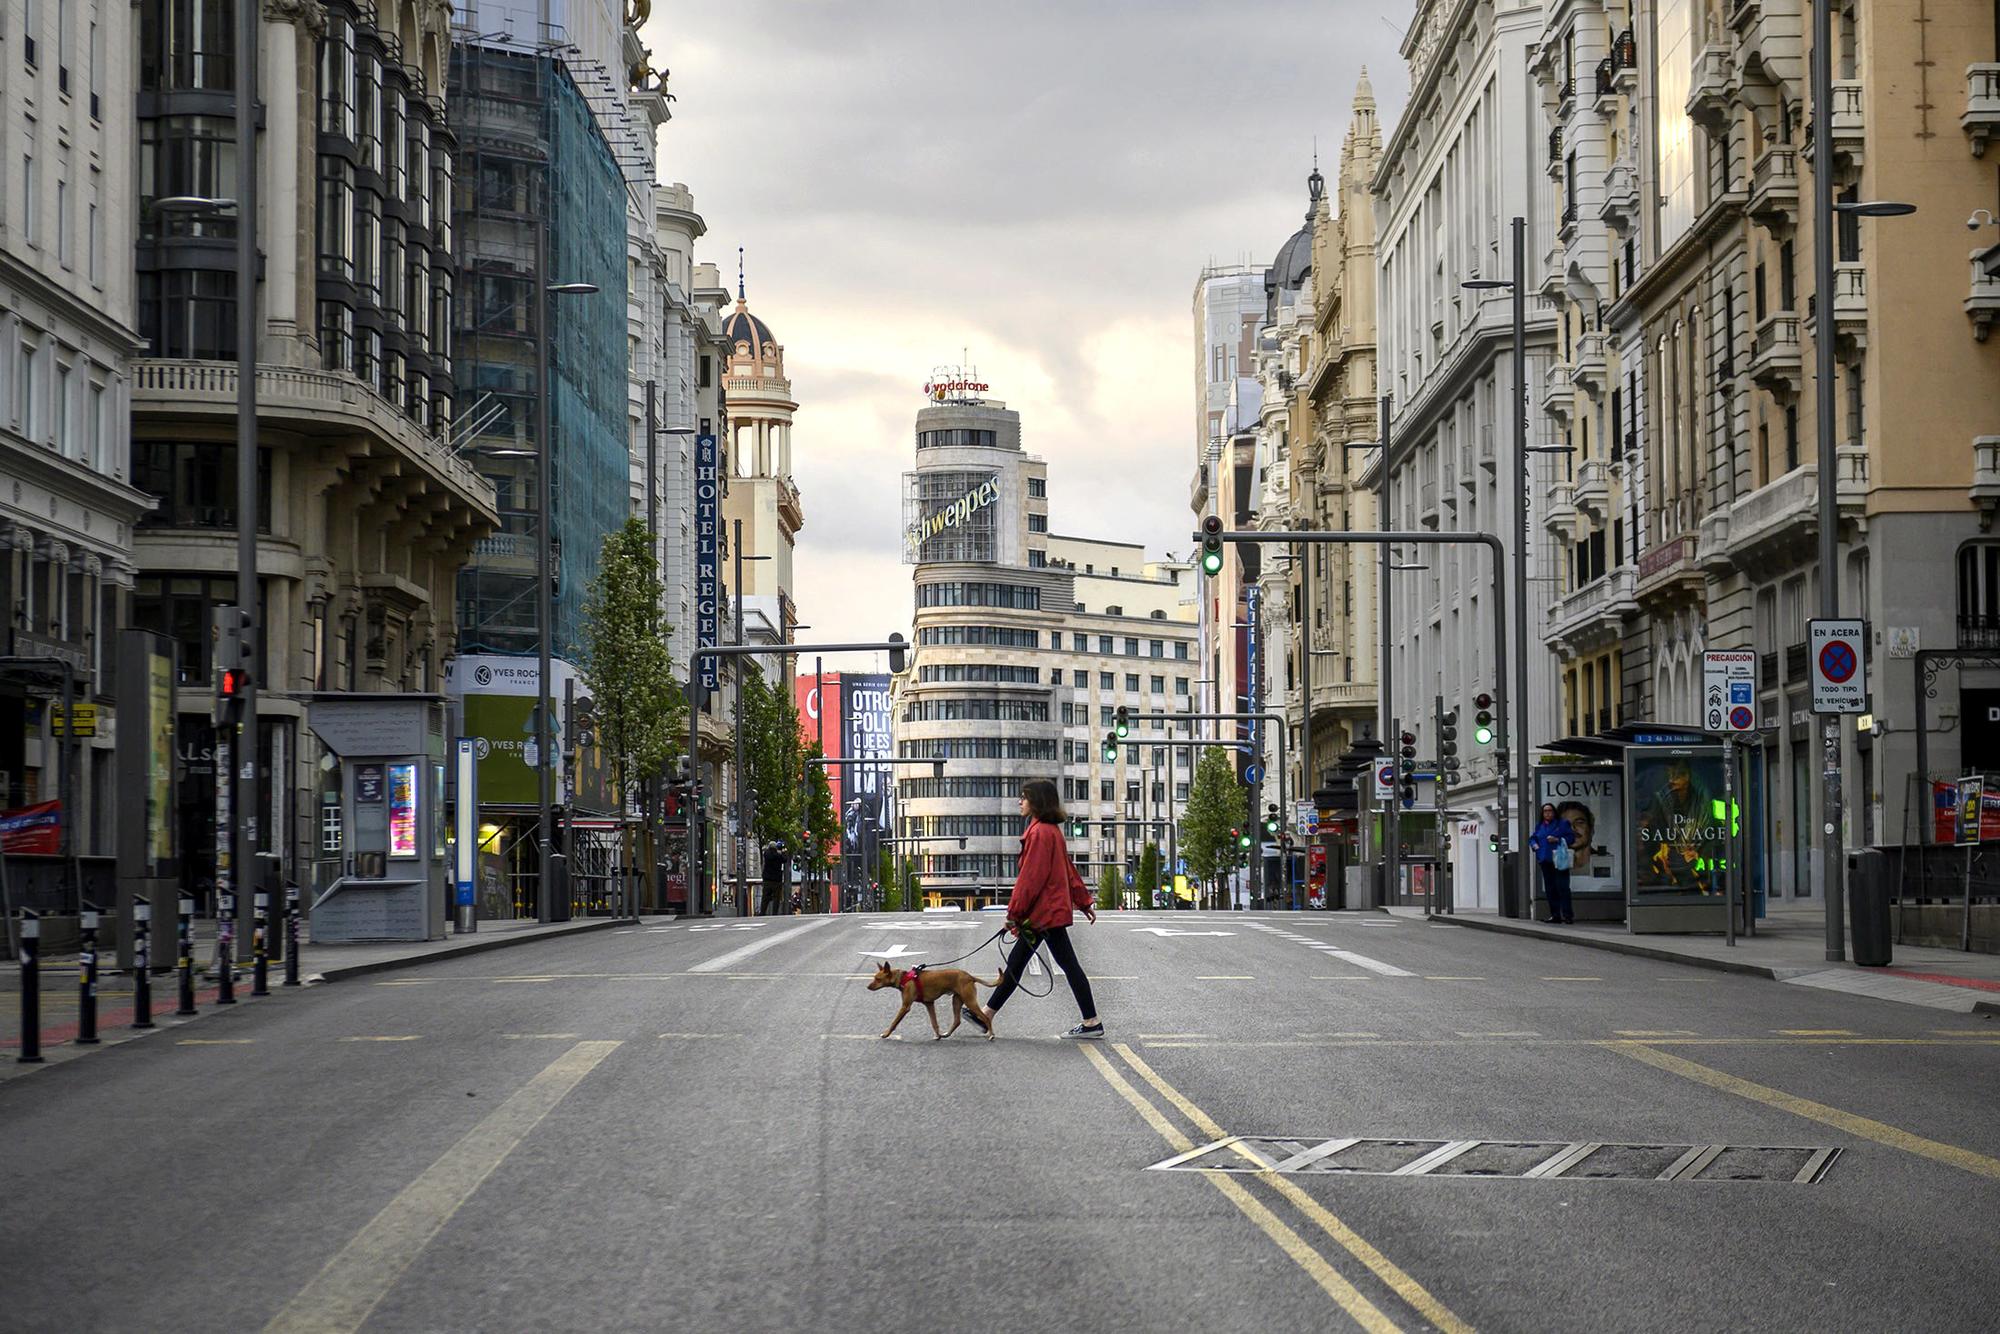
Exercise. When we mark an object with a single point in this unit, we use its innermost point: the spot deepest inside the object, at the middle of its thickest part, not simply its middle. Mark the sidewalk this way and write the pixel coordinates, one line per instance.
(318, 964)
(1790, 946)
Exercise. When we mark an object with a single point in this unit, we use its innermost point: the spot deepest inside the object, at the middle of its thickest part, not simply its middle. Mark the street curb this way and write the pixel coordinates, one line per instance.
(1627, 947)
(474, 946)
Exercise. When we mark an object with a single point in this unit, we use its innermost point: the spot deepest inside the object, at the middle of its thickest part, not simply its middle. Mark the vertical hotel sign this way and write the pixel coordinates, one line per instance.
(707, 532)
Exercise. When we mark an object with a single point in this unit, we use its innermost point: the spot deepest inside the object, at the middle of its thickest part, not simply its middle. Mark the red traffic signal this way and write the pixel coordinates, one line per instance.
(233, 683)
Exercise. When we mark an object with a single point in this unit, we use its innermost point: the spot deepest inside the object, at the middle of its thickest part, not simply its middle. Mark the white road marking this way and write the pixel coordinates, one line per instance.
(921, 926)
(1169, 931)
(758, 946)
(729, 926)
(899, 950)
(344, 1293)
(1372, 965)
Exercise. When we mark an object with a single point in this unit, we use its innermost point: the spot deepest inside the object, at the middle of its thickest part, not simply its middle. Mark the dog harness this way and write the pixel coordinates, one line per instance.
(911, 978)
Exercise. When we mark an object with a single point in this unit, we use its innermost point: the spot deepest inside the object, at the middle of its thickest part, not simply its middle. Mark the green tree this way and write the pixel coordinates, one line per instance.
(773, 755)
(635, 693)
(1214, 807)
(822, 822)
(1149, 874)
(1109, 887)
(885, 870)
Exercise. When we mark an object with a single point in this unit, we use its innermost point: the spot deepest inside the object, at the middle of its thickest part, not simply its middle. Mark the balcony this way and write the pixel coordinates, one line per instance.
(311, 402)
(1850, 479)
(1982, 305)
(1986, 477)
(1625, 61)
(1847, 127)
(1587, 371)
(1620, 208)
(1779, 520)
(1711, 547)
(1559, 515)
(1771, 41)
(1551, 288)
(1981, 120)
(1774, 355)
(1485, 456)
(1558, 394)
(1596, 612)
(1605, 83)
(1566, 98)
(1593, 488)
(1774, 190)
(1668, 566)
(1708, 87)
(1850, 301)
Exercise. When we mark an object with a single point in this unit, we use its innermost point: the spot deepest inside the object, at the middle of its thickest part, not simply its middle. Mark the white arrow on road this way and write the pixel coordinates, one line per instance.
(899, 950)
(1169, 931)
(728, 926)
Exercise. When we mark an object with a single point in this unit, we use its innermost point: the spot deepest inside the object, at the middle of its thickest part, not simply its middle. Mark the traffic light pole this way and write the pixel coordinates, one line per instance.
(1427, 538)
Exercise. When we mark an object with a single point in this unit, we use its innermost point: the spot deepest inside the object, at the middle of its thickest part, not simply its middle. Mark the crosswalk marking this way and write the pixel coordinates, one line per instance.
(1372, 965)
(758, 946)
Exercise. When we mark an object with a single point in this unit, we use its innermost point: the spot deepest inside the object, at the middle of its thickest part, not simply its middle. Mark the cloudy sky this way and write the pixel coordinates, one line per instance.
(1037, 183)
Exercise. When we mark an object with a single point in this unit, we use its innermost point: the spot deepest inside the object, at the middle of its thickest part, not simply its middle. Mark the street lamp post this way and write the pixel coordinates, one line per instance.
(546, 907)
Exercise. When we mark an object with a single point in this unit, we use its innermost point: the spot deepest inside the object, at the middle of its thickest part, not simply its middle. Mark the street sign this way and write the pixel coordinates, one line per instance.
(1729, 690)
(1305, 819)
(84, 716)
(1971, 796)
(1385, 780)
(1253, 774)
(1839, 666)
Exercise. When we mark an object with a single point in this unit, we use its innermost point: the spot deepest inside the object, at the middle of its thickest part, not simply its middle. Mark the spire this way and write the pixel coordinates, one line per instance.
(1364, 92)
(739, 274)
(1315, 183)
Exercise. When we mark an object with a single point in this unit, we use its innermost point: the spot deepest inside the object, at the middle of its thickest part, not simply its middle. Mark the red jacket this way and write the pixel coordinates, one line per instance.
(1047, 890)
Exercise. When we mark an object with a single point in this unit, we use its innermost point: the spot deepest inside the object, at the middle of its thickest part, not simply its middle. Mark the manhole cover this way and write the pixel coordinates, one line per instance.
(1542, 1160)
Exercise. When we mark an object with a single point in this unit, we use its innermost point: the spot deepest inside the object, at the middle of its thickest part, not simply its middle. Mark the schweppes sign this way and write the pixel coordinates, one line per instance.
(953, 515)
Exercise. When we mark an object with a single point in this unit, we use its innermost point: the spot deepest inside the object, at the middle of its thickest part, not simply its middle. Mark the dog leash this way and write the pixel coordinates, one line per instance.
(1020, 983)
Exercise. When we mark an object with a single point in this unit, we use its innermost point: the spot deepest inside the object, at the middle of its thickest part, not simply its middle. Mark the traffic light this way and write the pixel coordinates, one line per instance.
(1211, 545)
(899, 657)
(1242, 839)
(1482, 721)
(1122, 722)
(1111, 748)
(1448, 746)
(1079, 829)
(1406, 768)
(235, 649)
(1271, 819)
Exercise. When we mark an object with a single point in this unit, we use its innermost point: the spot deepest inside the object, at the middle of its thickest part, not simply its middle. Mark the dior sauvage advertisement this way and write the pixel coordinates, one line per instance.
(1680, 824)
(1593, 801)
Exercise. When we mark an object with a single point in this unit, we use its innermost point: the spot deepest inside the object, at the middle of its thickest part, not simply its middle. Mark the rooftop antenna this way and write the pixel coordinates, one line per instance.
(739, 273)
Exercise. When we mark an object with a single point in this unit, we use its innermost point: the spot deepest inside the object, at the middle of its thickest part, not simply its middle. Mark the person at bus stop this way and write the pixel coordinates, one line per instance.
(1553, 843)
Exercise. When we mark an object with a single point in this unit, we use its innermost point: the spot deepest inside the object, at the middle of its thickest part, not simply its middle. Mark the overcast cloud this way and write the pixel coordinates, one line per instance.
(1036, 183)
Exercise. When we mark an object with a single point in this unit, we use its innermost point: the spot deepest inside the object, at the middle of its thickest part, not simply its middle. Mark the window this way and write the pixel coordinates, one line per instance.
(979, 595)
(1038, 523)
(1181, 685)
(1106, 715)
(187, 46)
(1158, 684)
(189, 313)
(1979, 595)
(1038, 559)
(1104, 645)
(95, 425)
(931, 439)
(1131, 648)
(65, 233)
(194, 483)
(1132, 682)
(1105, 789)
(63, 440)
(1038, 487)
(31, 203)
(1106, 681)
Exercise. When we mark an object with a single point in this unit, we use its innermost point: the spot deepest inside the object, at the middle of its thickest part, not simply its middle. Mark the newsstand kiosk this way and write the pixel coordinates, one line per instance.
(390, 753)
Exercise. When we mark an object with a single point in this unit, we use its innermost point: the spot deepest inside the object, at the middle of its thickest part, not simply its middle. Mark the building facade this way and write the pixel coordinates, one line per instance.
(67, 316)
(1451, 176)
(367, 511)
(1027, 643)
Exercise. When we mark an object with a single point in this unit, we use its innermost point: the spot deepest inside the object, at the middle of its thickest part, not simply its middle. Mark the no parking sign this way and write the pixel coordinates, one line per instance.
(1839, 666)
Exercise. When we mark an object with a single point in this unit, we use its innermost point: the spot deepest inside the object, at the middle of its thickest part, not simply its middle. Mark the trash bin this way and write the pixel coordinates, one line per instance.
(1868, 906)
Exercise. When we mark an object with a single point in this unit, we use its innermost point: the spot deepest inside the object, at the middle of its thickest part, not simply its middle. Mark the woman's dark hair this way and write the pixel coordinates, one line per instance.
(1044, 802)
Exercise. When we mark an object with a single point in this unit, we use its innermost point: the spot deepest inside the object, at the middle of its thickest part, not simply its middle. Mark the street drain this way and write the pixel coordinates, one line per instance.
(1540, 1160)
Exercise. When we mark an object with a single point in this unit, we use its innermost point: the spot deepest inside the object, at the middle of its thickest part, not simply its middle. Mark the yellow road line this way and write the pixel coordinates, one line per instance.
(1411, 1291)
(1364, 1312)
(343, 1294)
(1582, 1042)
(399, 1037)
(1882, 1133)
(1814, 1032)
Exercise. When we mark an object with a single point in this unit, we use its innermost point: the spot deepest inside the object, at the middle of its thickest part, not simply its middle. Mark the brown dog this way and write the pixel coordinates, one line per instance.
(930, 985)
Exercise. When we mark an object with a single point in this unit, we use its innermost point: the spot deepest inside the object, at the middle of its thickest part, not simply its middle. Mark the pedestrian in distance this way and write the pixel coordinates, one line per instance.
(1048, 893)
(1554, 845)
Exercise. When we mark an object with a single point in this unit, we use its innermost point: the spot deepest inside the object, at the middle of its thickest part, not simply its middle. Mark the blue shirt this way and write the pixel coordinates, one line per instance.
(1549, 833)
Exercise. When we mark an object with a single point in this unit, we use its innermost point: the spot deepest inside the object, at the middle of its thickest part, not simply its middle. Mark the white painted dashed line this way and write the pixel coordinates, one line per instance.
(723, 961)
(1372, 965)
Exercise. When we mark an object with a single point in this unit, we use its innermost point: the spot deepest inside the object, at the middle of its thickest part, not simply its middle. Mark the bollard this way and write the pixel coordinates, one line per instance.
(291, 935)
(31, 988)
(260, 944)
(184, 931)
(142, 963)
(86, 981)
(225, 938)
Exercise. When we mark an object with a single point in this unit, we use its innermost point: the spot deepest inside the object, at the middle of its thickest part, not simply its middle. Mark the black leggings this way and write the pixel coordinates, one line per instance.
(1057, 938)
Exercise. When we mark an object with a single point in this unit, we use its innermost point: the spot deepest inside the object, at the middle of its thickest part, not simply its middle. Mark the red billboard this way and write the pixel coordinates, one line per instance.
(820, 717)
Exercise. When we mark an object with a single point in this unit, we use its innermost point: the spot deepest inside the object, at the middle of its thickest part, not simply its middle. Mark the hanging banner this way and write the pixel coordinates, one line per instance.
(707, 555)
(32, 829)
(864, 736)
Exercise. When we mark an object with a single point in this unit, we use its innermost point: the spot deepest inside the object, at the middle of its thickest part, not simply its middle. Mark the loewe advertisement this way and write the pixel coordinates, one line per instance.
(1593, 801)
(1680, 835)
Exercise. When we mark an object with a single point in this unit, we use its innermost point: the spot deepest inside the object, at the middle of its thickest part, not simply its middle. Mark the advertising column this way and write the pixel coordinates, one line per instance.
(865, 735)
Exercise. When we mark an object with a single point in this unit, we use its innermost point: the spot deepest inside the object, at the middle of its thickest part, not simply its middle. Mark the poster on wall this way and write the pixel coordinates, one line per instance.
(1946, 814)
(820, 719)
(1680, 833)
(864, 735)
(402, 810)
(35, 829)
(1593, 801)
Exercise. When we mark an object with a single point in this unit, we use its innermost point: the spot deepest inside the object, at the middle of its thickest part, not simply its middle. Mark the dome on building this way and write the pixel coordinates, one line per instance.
(740, 326)
(1289, 271)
